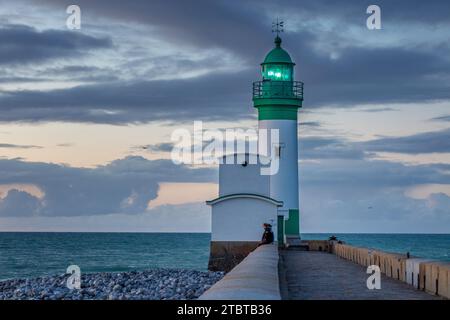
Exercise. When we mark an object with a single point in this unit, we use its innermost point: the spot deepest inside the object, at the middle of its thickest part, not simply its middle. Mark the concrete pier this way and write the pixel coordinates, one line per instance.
(255, 278)
(318, 275)
(330, 270)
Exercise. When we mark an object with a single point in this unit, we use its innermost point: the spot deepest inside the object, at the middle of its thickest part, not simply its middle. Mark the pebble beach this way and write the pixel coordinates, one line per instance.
(156, 284)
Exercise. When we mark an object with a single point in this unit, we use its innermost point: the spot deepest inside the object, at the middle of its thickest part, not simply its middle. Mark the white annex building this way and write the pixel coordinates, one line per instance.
(244, 202)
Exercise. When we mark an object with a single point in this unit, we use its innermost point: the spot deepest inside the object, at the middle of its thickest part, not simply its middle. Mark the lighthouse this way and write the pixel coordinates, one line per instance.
(247, 199)
(277, 97)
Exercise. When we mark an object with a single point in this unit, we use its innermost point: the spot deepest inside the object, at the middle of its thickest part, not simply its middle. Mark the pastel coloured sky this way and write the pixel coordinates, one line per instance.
(86, 115)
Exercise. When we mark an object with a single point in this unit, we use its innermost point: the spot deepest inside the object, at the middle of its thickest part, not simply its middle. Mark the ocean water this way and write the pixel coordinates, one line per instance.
(28, 254)
(432, 246)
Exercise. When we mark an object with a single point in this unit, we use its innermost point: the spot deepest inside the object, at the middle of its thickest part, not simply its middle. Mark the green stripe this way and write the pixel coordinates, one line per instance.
(292, 226)
(277, 113)
(280, 224)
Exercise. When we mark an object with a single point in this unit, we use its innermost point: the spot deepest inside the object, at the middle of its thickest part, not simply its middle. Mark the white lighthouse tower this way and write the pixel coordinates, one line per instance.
(247, 198)
(278, 98)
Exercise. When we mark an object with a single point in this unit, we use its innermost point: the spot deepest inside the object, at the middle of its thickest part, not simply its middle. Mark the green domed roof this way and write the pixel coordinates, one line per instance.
(278, 54)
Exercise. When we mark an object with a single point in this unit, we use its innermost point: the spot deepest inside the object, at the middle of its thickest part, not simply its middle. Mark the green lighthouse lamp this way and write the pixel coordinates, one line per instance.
(278, 65)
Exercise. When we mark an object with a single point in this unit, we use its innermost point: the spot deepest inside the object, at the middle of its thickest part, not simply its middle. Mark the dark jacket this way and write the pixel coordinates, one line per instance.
(267, 237)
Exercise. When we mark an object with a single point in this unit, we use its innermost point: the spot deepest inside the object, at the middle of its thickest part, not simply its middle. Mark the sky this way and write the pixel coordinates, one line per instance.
(86, 115)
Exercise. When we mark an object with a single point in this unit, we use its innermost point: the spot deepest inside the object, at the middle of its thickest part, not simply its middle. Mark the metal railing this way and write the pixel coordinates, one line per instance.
(278, 89)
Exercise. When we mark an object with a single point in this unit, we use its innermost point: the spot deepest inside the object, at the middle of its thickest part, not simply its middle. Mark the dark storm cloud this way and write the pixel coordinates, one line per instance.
(84, 73)
(203, 23)
(365, 195)
(125, 102)
(368, 173)
(127, 185)
(9, 79)
(24, 44)
(321, 148)
(79, 73)
(365, 76)
(123, 186)
(324, 148)
(229, 24)
(428, 142)
(442, 118)
(358, 75)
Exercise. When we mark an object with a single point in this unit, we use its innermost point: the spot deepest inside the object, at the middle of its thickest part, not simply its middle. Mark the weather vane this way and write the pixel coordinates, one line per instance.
(278, 26)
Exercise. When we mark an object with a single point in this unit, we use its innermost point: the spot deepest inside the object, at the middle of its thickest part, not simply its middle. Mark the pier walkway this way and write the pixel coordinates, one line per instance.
(319, 275)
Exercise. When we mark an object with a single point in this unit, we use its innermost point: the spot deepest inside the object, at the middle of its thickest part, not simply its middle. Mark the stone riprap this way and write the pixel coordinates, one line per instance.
(158, 284)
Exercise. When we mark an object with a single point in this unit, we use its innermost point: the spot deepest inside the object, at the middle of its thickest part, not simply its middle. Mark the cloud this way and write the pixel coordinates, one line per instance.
(67, 144)
(25, 44)
(18, 146)
(369, 196)
(375, 110)
(365, 70)
(122, 186)
(336, 191)
(193, 217)
(316, 147)
(427, 142)
(442, 118)
(315, 124)
(381, 211)
(340, 173)
(159, 147)
(19, 204)
(131, 102)
(328, 148)
(225, 96)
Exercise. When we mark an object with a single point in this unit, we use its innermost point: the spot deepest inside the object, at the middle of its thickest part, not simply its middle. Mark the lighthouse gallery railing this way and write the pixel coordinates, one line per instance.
(278, 89)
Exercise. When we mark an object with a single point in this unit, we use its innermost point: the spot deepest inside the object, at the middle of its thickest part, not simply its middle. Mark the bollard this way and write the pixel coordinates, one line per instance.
(430, 283)
(422, 276)
(444, 280)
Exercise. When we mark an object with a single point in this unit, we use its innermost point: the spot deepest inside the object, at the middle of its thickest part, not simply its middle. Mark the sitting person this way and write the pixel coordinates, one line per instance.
(267, 237)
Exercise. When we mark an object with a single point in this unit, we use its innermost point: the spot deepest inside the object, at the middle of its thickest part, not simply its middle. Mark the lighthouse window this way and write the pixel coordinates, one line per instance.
(277, 72)
(277, 149)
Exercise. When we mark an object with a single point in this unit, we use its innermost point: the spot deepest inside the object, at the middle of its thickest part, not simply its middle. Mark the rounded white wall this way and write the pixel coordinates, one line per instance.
(236, 178)
(241, 219)
(284, 184)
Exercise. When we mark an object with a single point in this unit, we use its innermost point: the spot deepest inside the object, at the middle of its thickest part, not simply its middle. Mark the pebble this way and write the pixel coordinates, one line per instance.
(156, 284)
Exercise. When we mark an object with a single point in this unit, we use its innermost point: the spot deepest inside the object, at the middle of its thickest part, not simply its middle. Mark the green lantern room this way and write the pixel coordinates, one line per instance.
(277, 65)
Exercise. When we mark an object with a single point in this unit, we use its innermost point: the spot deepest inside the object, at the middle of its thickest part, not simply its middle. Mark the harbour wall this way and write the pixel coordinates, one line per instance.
(255, 278)
(225, 255)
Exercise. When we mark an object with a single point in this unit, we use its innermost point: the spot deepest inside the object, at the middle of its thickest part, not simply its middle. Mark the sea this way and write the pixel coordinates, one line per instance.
(35, 254)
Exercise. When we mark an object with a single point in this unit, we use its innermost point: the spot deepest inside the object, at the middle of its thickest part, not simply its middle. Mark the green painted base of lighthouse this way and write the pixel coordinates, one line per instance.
(291, 229)
(280, 230)
(292, 225)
